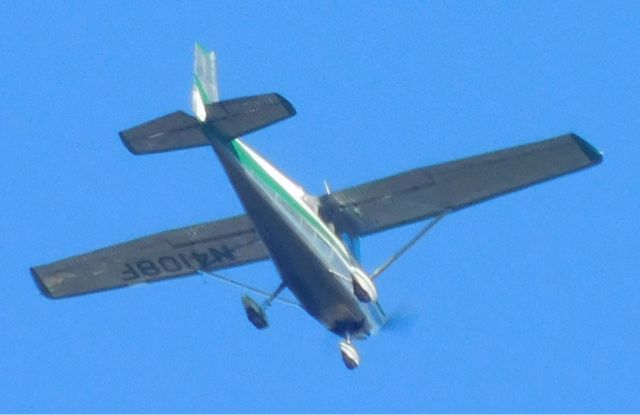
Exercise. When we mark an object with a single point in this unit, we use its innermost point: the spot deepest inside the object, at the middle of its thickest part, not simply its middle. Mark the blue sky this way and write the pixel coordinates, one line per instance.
(526, 303)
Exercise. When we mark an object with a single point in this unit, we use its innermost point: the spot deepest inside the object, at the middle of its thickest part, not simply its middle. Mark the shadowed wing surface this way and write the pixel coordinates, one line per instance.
(180, 252)
(428, 191)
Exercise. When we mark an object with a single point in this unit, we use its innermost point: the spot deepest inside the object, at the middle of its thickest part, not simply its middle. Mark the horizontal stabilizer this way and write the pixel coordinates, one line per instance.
(236, 117)
(225, 120)
(175, 131)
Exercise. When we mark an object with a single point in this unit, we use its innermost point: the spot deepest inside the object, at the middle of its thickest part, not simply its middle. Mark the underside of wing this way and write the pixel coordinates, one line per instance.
(209, 246)
(429, 191)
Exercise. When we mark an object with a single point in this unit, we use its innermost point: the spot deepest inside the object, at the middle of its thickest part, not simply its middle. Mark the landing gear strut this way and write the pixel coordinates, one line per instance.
(255, 313)
(350, 355)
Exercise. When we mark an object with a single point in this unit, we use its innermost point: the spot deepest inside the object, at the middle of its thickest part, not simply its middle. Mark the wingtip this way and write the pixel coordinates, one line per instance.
(285, 102)
(595, 155)
(40, 285)
(126, 141)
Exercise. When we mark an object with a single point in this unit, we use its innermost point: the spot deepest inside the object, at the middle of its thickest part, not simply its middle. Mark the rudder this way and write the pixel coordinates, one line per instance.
(205, 81)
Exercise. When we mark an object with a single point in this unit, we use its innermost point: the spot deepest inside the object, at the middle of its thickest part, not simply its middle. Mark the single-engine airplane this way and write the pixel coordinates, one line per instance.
(312, 240)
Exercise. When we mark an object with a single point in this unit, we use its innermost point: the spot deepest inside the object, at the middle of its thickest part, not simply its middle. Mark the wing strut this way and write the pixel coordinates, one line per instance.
(382, 268)
(270, 296)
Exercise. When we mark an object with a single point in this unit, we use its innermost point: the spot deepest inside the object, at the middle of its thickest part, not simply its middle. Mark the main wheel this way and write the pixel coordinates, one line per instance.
(255, 313)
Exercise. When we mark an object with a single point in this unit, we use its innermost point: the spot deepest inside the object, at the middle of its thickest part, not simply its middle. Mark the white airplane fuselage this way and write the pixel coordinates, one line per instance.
(311, 259)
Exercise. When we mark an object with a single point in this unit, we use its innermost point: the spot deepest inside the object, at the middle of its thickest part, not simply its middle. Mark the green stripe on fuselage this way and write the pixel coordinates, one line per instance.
(254, 166)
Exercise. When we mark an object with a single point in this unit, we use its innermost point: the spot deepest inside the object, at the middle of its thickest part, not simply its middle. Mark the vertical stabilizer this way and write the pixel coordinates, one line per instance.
(205, 82)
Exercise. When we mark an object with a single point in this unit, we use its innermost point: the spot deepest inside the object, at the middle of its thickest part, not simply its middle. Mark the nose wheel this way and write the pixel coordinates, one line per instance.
(349, 353)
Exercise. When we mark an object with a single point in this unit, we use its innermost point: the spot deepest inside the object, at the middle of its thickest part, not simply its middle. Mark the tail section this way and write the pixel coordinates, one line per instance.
(205, 82)
(224, 120)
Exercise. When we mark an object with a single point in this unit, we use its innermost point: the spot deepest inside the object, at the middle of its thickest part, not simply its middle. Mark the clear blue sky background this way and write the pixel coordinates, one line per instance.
(527, 303)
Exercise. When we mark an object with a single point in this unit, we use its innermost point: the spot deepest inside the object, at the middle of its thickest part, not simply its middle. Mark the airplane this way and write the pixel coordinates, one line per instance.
(312, 240)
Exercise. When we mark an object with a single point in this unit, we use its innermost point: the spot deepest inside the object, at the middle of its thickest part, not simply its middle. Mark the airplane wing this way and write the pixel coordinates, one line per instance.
(428, 191)
(180, 252)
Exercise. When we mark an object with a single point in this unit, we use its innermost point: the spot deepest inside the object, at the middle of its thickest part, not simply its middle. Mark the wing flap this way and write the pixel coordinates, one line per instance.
(428, 191)
(180, 252)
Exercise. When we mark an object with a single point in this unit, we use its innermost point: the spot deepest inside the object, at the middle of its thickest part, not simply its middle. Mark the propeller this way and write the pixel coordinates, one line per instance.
(400, 321)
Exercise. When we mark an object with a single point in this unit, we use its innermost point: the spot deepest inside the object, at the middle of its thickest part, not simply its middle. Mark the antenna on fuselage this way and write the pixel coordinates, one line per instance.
(326, 186)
